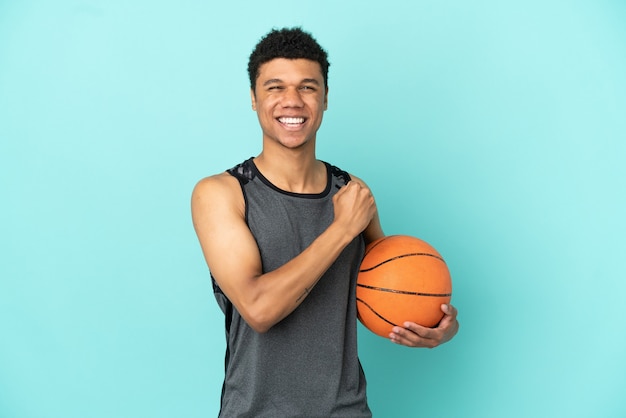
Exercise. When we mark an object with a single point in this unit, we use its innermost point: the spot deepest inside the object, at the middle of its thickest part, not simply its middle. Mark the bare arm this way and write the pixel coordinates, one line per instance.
(231, 252)
(412, 334)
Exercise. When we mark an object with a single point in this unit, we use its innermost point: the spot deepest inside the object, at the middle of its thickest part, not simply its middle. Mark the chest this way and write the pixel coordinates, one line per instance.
(284, 226)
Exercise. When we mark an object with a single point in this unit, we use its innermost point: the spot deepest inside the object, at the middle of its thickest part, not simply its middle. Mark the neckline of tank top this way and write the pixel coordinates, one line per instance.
(271, 185)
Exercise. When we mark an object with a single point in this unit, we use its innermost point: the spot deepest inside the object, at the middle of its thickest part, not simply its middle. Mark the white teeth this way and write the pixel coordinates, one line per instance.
(291, 121)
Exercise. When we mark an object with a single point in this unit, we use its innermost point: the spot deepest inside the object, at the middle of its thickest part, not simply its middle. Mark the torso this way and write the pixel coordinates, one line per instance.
(307, 364)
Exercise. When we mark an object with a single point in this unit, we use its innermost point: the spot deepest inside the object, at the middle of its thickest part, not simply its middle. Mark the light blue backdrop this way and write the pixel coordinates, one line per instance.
(494, 130)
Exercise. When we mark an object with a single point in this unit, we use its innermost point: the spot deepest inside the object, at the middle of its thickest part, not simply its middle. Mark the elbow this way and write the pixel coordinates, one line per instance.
(260, 328)
(259, 320)
(260, 311)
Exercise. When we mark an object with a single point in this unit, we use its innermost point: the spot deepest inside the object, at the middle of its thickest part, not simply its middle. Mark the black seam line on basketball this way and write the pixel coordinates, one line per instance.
(376, 313)
(404, 292)
(402, 256)
(375, 245)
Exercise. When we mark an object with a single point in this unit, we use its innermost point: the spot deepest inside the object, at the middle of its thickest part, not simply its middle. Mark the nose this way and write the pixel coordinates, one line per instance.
(292, 98)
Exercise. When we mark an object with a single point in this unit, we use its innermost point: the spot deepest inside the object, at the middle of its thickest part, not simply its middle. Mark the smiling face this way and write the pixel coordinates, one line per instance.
(290, 99)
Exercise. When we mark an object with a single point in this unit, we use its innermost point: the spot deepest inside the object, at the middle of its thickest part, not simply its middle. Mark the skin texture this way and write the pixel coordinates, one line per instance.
(290, 99)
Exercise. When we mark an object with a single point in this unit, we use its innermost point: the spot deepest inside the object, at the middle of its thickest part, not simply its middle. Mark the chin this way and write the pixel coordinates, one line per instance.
(294, 143)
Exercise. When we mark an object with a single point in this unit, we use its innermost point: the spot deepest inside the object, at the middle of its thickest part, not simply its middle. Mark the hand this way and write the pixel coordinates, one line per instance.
(414, 335)
(354, 207)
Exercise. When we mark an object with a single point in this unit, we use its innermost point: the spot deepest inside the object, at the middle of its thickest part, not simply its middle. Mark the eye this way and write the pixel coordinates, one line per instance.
(307, 88)
(274, 88)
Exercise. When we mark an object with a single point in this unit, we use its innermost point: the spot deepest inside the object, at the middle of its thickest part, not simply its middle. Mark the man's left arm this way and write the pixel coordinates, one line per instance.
(412, 334)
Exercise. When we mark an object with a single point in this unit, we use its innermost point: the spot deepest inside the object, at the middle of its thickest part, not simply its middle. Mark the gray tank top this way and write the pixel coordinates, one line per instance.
(307, 364)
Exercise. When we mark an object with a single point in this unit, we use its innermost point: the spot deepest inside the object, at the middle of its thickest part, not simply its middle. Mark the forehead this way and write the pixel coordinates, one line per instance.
(290, 70)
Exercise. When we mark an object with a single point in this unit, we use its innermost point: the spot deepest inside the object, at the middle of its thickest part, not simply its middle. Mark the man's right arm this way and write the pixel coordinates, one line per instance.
(231, 252)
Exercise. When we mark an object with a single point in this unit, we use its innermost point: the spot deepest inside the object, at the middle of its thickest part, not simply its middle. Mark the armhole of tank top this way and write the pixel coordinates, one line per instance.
(242, 182)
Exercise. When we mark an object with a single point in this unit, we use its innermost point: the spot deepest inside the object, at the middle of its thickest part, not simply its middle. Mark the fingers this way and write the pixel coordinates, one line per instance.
(414, 335)
(354, 194)
(354, 207)
(355, 185)
(357, 191)
(449, 310)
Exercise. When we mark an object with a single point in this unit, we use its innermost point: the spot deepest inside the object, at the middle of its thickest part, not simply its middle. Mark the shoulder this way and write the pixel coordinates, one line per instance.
(221, 191)
(358, 180)
(343, 175)
(218, 183)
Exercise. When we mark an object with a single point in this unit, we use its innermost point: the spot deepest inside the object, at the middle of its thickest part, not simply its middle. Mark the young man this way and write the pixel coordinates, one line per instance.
(283, 235)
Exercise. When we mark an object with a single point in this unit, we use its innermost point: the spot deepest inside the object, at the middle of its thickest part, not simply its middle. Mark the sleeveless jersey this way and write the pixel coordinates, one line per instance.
(307, 364)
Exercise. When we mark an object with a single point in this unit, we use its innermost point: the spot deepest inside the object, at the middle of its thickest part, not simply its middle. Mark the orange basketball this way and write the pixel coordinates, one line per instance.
(401, 279)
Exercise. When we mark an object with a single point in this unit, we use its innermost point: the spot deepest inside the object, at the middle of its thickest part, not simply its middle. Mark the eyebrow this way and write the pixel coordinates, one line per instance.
(304, 81)
(311, 80)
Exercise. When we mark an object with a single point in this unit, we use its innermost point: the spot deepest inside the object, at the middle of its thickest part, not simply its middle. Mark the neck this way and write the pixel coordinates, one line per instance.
(293, 170)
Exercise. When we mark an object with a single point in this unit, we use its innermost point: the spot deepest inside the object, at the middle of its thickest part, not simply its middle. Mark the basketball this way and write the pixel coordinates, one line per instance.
(401, 278)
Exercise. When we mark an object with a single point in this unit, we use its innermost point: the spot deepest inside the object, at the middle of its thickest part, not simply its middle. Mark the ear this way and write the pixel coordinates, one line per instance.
(326, 99)
(253, 98)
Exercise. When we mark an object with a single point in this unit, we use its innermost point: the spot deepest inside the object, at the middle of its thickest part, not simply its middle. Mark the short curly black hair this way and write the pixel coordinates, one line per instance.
(291, 43)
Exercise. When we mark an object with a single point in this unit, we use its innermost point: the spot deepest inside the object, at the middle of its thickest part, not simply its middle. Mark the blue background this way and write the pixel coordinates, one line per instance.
(494, 130)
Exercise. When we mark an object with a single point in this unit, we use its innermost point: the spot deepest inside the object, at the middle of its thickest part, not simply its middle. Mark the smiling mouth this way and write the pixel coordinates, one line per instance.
(291, 122)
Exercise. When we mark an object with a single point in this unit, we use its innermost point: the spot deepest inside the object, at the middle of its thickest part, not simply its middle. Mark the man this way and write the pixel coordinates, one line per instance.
(283, 235)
